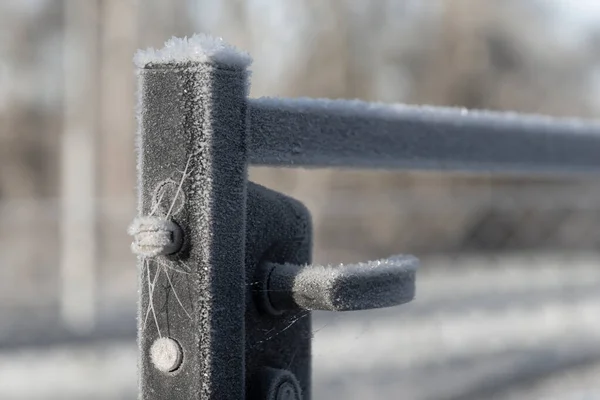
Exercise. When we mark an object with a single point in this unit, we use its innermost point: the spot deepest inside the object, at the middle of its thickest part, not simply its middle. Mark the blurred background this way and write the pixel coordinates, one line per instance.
(508, 303)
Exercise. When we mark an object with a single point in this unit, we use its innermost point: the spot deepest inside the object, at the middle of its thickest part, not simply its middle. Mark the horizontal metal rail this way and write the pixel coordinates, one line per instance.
(354, 134)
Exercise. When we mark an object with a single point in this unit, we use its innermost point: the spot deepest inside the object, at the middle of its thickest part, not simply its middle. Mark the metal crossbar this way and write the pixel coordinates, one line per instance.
(356, 134)
(225, 274)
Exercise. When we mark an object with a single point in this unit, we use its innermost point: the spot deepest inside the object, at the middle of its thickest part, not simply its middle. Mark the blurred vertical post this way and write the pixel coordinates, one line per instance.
(116, 158)
(78, 164)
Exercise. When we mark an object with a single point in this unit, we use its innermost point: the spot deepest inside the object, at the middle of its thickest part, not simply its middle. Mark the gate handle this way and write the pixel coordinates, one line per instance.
(373, 284)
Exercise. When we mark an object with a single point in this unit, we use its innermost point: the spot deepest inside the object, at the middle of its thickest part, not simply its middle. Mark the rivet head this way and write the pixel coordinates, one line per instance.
(286, 391)
(166, 354)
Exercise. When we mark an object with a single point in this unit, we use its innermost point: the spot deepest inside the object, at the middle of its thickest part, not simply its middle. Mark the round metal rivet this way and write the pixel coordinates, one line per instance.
(166, 354)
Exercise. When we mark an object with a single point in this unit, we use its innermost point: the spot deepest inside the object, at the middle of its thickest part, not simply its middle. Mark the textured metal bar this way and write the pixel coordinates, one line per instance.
(345, 287)
(355, 134)
(192, 170)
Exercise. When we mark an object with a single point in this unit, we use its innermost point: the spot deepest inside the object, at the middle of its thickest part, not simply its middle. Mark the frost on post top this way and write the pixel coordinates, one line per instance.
(199, 48)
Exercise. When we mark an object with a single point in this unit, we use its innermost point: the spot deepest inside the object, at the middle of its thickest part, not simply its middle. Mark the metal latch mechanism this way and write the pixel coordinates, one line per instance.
(286, 286)
(282, 287)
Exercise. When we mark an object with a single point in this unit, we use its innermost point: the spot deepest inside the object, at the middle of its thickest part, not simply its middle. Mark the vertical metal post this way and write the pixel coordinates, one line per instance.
(192, 170)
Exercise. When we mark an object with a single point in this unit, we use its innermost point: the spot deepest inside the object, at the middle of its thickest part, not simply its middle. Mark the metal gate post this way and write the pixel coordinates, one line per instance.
(225, 274)
(190, 231)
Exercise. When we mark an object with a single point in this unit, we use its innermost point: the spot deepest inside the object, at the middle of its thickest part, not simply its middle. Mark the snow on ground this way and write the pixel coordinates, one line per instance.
(515, 328)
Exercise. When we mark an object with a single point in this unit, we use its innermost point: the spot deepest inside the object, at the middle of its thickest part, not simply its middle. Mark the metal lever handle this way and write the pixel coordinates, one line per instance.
(373, 284)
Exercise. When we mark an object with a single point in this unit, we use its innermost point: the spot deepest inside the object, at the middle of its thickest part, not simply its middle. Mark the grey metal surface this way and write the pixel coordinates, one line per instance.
(192, 169)
(354, 134)
(278, 230)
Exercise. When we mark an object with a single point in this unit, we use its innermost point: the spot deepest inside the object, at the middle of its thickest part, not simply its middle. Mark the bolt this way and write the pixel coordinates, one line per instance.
(286, 391)
(166, 354)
